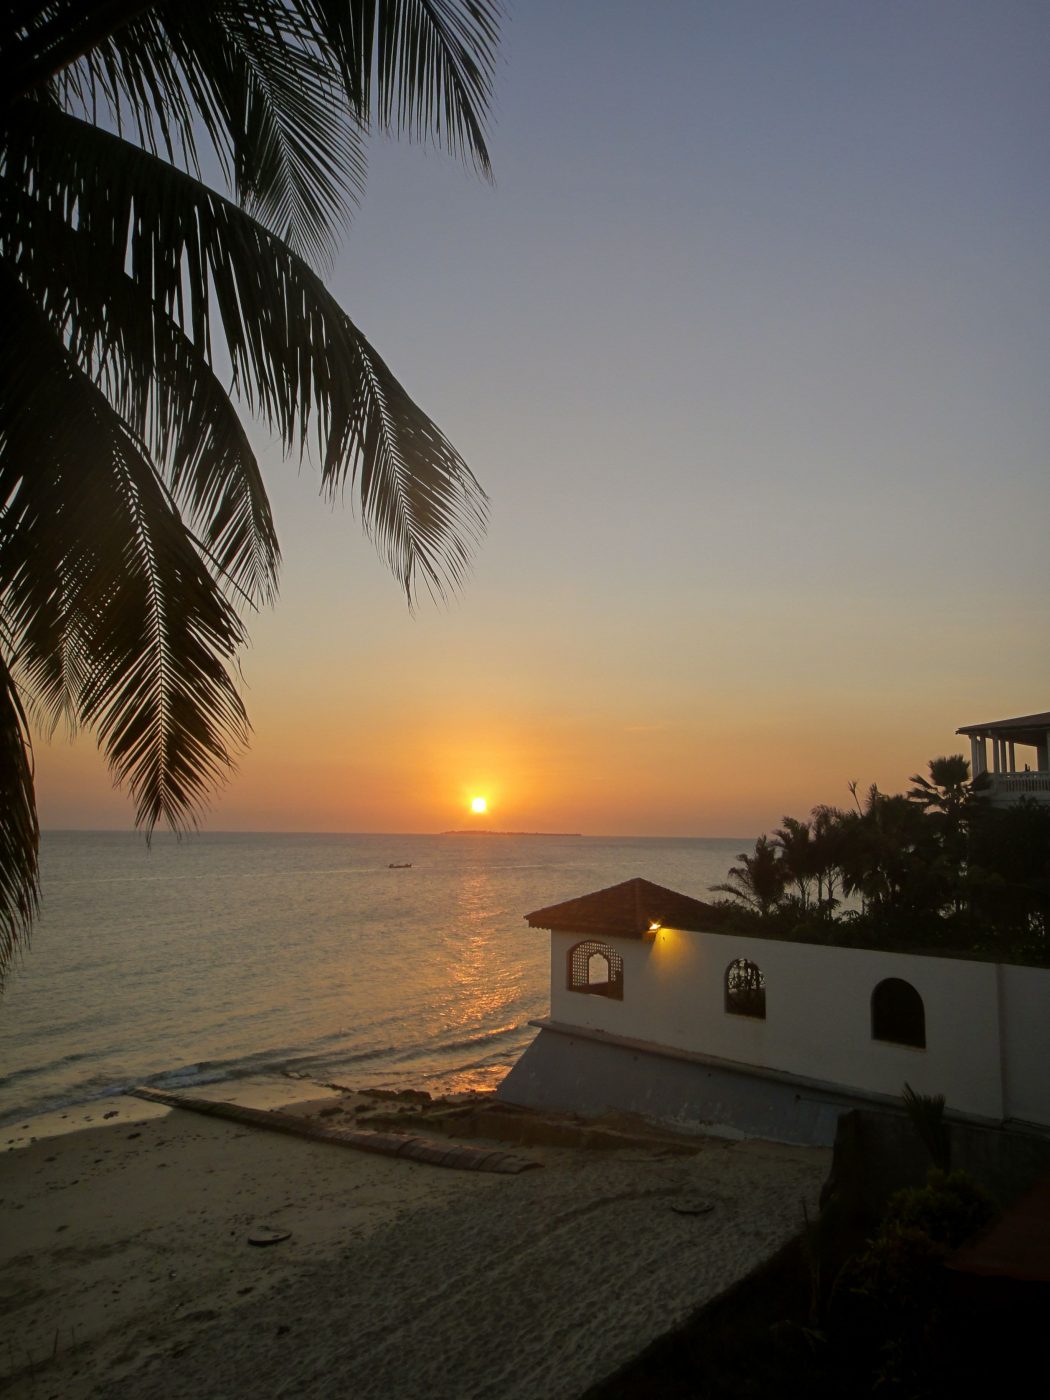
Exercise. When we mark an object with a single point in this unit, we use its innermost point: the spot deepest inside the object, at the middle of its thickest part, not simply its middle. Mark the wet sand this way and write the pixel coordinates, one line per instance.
(128, 1269)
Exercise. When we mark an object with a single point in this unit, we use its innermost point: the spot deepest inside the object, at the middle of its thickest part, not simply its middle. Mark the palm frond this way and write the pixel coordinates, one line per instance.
(297, 358)
(19, 832)
(250, 79)
(427, 65)
(39, 38)
(158, 381)
(297, 147)
(281, 90)
(93, 552)
(926, 1112)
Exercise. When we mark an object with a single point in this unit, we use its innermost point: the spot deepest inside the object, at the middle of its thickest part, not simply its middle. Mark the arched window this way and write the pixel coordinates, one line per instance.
(897, 1014)
(595, 968)
(745, 989)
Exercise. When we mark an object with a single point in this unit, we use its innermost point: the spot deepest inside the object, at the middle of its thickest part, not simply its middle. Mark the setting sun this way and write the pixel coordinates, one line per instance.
(478, 804)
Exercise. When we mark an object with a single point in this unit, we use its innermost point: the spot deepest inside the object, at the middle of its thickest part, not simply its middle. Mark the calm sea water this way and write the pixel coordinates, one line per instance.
(224, 956)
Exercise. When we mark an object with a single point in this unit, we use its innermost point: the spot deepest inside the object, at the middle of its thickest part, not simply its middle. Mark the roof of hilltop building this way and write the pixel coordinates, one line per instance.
(1038, 723)
(630, 909)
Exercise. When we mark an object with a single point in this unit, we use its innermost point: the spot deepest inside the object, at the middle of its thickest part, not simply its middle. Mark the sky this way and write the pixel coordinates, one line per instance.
(748, 344)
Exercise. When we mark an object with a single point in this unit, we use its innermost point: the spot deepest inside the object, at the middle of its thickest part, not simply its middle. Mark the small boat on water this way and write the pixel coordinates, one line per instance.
(400, 865)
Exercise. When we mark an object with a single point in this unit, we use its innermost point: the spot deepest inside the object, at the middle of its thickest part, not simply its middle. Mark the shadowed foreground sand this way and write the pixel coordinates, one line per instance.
(127, 1270)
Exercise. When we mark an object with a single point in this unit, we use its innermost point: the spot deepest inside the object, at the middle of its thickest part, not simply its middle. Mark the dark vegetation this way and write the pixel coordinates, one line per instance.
(860, 1303)
(936, 868)
(892, 1323)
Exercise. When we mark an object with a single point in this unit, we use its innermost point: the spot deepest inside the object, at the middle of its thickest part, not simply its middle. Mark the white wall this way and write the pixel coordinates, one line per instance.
(818, 1016)
(1026, 1037)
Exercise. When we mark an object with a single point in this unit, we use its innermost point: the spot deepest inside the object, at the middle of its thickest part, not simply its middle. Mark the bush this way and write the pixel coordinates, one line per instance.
(890, 1310)
(951, 1208)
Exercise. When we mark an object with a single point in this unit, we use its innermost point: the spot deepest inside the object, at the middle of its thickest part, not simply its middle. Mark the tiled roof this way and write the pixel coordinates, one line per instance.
(1017, 1245)
(628, 909)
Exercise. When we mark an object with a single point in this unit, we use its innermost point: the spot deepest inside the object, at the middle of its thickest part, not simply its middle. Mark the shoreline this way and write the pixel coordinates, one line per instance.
(114, 1110)
(130, 1272)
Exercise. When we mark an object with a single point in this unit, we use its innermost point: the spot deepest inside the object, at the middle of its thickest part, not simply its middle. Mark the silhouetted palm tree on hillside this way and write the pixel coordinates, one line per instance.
(948, 791)
(950, 801)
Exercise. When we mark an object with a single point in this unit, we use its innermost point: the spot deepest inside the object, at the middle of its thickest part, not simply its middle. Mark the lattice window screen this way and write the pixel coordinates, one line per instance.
(745, 989)
(582, 971)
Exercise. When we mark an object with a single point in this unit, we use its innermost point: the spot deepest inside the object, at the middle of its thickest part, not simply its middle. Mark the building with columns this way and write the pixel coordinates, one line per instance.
(1012, 775)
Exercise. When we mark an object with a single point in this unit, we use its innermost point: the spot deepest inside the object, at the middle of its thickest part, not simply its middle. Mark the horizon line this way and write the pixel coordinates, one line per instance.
(463, 831)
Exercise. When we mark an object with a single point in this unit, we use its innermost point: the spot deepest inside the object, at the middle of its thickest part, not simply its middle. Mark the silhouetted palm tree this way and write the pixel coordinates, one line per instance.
(950, 801)
(795, 840)
(829, 827)
(759, 880)
(948, 790)
(137, 302)
(889, 856)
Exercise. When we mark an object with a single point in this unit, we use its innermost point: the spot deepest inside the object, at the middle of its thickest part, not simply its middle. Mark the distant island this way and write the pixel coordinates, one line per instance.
(487, 831)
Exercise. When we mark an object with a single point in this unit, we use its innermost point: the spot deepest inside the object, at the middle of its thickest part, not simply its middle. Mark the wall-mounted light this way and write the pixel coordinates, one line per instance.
(653, 929)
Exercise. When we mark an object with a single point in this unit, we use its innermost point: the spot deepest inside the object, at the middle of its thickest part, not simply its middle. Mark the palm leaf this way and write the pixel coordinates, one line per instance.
(426, 65)
(159, 383)
(92, 553)
(19, 832)
(296, 357)
(926, 1112)
(249, 78)
(282, 90)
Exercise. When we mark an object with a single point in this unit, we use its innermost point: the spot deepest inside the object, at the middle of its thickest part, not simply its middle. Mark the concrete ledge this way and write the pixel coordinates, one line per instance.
(858, 1098)
(843, 1096)
(565, 1071)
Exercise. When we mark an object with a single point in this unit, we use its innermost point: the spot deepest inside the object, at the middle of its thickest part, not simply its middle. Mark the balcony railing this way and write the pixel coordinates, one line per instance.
(1012, 786)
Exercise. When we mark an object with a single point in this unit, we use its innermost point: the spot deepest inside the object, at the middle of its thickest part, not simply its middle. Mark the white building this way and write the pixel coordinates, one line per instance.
(655, 1009)
(1012, 775)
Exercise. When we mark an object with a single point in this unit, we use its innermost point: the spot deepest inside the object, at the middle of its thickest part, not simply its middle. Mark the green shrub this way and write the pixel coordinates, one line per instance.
(890, 1312)
(951, 1208)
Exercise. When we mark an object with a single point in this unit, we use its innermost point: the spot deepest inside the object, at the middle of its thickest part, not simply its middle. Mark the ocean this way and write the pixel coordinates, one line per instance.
(227, 956)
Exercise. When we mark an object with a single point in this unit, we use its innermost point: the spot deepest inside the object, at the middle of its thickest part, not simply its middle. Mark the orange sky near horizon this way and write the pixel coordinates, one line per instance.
(353, 762)
(604, 721)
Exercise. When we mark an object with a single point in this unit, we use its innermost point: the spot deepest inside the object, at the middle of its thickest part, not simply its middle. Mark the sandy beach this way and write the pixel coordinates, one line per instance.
(129, 1272)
